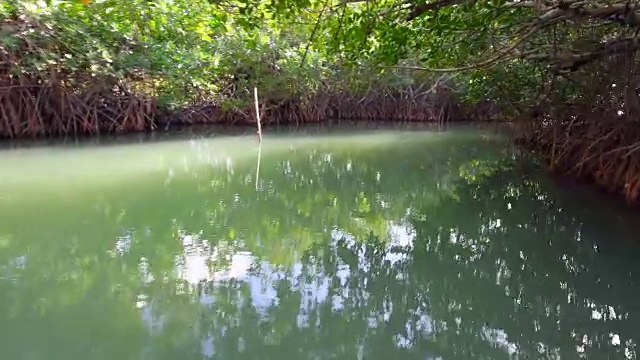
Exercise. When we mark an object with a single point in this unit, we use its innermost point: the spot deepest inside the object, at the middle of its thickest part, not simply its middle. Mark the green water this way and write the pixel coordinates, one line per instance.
(380, 244)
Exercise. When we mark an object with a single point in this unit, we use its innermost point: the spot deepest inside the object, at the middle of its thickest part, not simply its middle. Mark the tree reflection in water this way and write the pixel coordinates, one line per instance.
(495, 270)
(422, 251)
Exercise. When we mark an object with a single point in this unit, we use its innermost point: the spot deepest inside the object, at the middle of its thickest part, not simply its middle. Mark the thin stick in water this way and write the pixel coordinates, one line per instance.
(255, 93)
(258, 165)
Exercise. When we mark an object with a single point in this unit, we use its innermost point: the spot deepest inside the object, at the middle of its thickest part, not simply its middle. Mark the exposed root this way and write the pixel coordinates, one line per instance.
(34, 110)
(372, 106)
(606, 153)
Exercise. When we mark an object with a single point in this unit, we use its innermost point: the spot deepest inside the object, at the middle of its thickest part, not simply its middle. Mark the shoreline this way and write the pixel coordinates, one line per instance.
(346, 126)
(188, 131)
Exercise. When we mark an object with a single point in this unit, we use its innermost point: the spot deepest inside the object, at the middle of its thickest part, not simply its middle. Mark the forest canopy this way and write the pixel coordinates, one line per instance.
(185, 49)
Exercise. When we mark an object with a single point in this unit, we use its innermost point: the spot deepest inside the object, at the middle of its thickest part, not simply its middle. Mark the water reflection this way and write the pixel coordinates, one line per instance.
(424, 251)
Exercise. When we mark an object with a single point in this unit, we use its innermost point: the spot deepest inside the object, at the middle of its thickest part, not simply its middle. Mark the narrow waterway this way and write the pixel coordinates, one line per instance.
(345, 244)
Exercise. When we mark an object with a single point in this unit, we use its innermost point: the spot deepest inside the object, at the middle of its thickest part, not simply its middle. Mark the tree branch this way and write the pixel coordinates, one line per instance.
(570, 62)
(418, 10)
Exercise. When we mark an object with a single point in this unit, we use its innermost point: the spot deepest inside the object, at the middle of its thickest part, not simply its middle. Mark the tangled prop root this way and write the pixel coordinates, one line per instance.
(29, 109)
(372, 106)
(605, 152)
(36, 107)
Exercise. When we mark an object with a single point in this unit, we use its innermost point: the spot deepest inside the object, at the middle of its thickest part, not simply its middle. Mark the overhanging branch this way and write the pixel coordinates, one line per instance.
(569, 62)
(624, 13)
(423, 8)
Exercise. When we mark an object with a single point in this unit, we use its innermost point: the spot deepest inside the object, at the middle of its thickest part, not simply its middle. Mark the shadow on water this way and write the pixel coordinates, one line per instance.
(431, 250)
(212, 131)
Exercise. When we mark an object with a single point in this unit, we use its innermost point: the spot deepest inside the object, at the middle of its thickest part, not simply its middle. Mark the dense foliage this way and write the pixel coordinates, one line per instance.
(177, 50)
(189, 50)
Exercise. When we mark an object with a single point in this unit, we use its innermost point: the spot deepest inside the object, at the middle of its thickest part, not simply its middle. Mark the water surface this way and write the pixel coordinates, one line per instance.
(377, 244)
